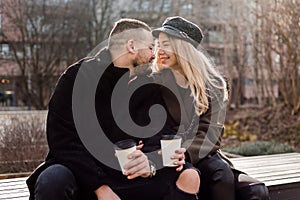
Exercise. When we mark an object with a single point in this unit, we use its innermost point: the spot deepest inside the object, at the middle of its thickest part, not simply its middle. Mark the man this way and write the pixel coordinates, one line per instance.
(72, 169)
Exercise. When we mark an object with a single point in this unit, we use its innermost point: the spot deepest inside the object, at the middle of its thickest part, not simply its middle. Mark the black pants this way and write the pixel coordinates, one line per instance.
(57, 182)
(220, 182)
(217, 179)
(248, 188)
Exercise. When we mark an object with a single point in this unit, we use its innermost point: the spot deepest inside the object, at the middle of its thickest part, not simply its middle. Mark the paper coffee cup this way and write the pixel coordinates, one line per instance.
(123, 149)
(169, 143)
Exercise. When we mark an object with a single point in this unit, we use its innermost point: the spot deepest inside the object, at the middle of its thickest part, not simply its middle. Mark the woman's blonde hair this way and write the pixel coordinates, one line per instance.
(203, 79)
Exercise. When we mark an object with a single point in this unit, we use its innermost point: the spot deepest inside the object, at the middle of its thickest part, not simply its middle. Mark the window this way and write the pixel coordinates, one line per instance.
(187, 10)
(248, 81)
(145, 5)
(36, 23)
(215, 37)
(4, 50)
(214, 34)
(277, 58)
(0, 16)
(217, 55)
(167, 6)
(49, 2)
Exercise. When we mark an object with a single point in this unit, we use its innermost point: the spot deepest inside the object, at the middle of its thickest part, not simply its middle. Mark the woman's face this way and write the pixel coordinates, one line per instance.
(165, 53)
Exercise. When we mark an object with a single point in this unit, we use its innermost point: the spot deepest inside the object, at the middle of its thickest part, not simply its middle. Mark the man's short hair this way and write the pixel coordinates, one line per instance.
(125, 25)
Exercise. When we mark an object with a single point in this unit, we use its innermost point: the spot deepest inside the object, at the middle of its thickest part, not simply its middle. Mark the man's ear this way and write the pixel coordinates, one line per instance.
(130, 46)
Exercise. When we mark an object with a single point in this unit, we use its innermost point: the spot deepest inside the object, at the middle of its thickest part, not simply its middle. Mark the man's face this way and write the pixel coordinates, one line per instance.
(145, 54)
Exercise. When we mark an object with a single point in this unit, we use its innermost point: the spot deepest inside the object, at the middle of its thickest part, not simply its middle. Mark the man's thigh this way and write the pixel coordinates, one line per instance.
(56, 182)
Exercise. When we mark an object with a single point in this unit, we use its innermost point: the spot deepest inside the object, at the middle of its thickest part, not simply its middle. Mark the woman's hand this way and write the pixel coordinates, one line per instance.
(179, 154)
(179, 158)
(140, 145)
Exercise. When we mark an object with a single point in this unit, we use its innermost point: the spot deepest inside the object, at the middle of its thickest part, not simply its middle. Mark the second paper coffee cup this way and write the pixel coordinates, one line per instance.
(169, 143)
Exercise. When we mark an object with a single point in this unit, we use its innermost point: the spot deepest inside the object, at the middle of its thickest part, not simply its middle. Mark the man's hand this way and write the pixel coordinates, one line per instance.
(137, 166)
(105, 192)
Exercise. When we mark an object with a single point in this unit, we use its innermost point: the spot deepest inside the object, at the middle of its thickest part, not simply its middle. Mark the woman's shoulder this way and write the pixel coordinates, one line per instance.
(218, 94)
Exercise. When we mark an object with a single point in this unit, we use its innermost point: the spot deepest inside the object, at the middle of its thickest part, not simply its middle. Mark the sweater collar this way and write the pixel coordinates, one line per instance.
(115, 71)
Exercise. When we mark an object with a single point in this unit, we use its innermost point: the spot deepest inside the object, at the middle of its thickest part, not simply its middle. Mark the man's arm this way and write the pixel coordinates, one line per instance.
(64, 142)
(137, 166)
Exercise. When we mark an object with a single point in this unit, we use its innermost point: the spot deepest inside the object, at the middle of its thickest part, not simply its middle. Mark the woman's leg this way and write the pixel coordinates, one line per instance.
(248, 188)
(186, 186)
(217, 179)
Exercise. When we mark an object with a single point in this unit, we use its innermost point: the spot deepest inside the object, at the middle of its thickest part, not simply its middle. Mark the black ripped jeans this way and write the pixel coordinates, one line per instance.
(58, 182)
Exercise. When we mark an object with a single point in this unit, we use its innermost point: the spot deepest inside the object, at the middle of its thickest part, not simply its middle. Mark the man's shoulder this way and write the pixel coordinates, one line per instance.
(87, 62)
(103, 58)
(73, 68)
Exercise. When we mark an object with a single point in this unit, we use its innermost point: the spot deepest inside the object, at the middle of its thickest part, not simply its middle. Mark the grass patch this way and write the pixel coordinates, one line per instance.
(260, 148)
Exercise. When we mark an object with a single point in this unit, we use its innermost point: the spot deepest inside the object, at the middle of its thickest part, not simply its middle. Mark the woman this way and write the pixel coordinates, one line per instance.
(195, 95)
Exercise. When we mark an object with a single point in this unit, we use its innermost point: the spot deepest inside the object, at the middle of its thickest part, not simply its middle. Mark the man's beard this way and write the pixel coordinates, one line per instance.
(142, 69)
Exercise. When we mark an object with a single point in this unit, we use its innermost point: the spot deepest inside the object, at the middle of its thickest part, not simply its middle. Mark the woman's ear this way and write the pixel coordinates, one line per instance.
(130, 46)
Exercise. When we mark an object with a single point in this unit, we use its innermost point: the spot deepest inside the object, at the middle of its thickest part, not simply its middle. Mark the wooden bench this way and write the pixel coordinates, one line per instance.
(14, 189)
(280, 172)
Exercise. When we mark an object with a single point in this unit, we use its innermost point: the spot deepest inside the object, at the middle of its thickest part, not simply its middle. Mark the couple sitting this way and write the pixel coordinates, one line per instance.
(88, 113)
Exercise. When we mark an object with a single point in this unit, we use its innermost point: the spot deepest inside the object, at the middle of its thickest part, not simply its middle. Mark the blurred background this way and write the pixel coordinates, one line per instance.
(255, 44)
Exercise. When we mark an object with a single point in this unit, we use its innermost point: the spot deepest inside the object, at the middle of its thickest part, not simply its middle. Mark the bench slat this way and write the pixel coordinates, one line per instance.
(12, 187)
(294, 173)
(274, 168)
(22, 195)
(266, 162)
(23, 179)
